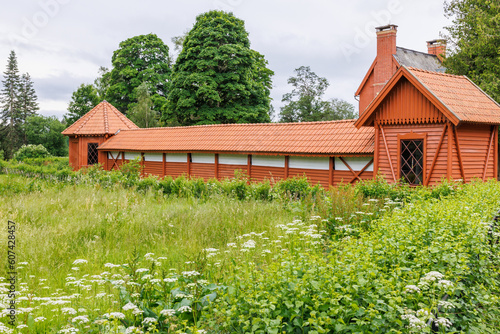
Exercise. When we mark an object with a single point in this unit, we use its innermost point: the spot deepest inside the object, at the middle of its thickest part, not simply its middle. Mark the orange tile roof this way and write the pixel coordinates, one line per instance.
(309, 138)
(102, 119)
(461, 96)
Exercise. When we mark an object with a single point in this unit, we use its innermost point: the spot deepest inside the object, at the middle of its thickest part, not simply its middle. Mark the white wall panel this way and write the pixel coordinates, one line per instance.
(233, 159)
(356, 163)
(153, 157)
(113, 155)
(202, 158)
(268, 160)
(176, 157)
(132, 155)
(322, 163)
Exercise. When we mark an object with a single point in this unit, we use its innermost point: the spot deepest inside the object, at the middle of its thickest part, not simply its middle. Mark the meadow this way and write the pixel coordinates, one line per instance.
(96, 254)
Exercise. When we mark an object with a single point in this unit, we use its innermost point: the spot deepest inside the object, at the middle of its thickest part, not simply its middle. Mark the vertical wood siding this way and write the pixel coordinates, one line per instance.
(406, 105)
(78, 150)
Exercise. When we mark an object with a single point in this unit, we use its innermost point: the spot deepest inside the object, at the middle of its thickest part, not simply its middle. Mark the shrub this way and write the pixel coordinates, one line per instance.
(31, 151)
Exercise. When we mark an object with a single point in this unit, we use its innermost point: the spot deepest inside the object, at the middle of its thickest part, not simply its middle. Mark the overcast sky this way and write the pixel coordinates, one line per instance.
(62, 43)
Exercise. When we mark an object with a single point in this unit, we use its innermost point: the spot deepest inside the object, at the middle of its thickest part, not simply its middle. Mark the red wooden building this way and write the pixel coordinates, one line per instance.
(416, 123)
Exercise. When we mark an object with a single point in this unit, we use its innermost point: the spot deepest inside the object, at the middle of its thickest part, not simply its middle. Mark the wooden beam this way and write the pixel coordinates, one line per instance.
(115, 161)
(495, 153)
(330, 171)
(361, 171)
(434, 160)
(460, 162)
(449, 168)
(388, 154)
(492, 135)
(189, 164)
(352, 171)
(164, 165)
(376, 152)
(216, 172)
(287, 159)
(249, 166)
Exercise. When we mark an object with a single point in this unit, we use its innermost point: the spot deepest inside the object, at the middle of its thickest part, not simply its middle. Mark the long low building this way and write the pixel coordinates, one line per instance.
(416, 124)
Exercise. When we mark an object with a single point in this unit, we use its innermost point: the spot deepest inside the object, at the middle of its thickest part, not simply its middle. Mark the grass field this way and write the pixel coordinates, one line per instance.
(118, 260)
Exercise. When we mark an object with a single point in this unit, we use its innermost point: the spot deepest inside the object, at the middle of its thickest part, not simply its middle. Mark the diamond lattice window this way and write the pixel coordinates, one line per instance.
(92, 153)
(412, 161)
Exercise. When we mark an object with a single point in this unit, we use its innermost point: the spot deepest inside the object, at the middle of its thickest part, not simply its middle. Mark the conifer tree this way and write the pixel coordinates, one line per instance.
(10, 117)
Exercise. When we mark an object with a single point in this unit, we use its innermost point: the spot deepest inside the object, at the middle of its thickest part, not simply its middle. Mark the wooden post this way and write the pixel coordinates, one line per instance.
(495, 154)
(142, 164)
(449, 169)
(249, 166)
(330, 170)
(428, 178)
(388, 154)
(287, 157)
(492, 136)
(459, 154)
(189, 164)
(376, 150)
(216, 172)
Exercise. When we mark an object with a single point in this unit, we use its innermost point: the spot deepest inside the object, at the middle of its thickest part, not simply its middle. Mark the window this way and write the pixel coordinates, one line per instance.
(412, 161)
(92, 153)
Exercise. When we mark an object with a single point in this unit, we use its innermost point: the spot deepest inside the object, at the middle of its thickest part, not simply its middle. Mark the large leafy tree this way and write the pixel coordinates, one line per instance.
(47, 132)
(217, 78)
(305, 104)
(142, 114)
(474, 42)
(139, 59)
(82, 101)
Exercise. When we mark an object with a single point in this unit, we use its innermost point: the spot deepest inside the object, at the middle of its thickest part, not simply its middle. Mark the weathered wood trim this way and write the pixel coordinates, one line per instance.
(436, 154)
(389, 157)
(358, 174)
(492, 135)
(459, 153)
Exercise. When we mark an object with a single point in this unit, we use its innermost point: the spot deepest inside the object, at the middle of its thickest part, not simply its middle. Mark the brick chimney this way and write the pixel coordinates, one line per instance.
(437, 47)
(386, 48)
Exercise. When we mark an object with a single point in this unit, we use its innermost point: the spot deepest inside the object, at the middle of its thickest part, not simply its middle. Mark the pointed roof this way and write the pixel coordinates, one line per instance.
(457, 97)
(306, 138)
(101, 120)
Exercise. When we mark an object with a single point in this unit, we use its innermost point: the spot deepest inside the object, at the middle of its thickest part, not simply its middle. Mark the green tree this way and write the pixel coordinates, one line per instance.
(217, 78)
(474, 42)
(28, 105)
(10, 117)
(82, 101)
(101, 83)
(139, 59)
(46, 131)
(305, 103)
(142, 113)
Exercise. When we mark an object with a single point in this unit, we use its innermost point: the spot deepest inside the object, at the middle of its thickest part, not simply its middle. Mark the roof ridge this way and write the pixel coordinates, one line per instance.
(244, 124)
(421, 52)
(105, 118)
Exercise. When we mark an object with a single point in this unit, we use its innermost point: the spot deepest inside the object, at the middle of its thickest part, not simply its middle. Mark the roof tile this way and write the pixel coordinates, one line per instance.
(270, 138)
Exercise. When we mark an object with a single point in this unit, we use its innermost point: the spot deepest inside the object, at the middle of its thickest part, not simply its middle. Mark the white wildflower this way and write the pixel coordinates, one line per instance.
(40, 319)
(445, 305)
(80, 261)
(141, 270)
(183, 309)
(81, 319)
(149, 321)
(68, 310)
(170, 280)
(190, 273)
(129, 306)
(442, 322)
(412, 288)
(249, 244)
(167, 312)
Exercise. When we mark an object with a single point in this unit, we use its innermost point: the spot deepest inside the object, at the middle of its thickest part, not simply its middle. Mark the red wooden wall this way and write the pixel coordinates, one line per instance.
(78, 150)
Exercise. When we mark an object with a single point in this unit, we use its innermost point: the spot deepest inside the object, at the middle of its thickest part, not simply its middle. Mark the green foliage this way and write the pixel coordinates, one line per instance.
(142, 113)
(140, 59)
(475, 42)
(46, 131)
(31, 152)
(18, 101)
(304, 103)
(217, 78)
(82, 101)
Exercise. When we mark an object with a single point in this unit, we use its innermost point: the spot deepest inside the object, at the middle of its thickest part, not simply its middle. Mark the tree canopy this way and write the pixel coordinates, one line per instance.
(305, 104)
(217, 78)
(474, 42)
(82, 101)
(46, 131)
(142, 113)
(139, 59)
